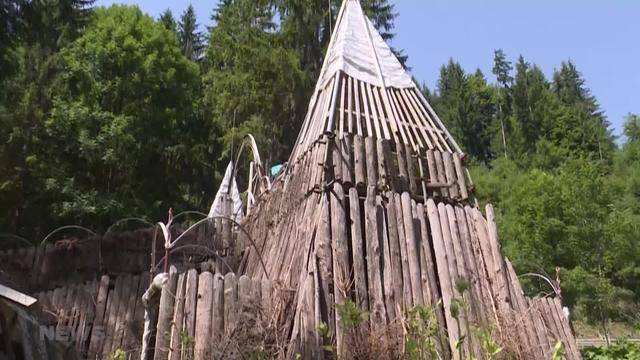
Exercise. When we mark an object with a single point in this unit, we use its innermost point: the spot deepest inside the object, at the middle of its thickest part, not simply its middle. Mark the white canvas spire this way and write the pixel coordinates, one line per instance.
(358, 50)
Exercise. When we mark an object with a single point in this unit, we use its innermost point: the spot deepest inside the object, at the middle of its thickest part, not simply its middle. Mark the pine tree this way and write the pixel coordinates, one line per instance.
(253, 83)
(531, 105)
(585, 128)
(632, 128)
(466, 105)
(502, 70)
(166, 18)
(191, 39)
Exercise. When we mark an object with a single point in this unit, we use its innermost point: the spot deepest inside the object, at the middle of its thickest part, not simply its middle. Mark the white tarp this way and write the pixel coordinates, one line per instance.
(218, 201)
(356, 47)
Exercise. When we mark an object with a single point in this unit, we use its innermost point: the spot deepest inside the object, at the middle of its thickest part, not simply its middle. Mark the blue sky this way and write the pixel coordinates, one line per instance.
(601, 37)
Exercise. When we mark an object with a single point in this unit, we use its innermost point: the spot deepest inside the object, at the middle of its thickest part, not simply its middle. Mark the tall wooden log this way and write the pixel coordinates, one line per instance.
(404, 254)
(217, 318)
(403, 177)
(357, 244)
(175, 349)
(442, 177)
(450, 174)
(336, 159)
(202, 346)
(190, 310)
(376, 302)
(165, 316)
(394, 250)
(98, 323)
(230, 303)
(433, 170)
(412, 250)
(341, 271)
(360, 164)
(460, 176)
(347, 159)
(372, 161)
(324, 257)
(444, 274)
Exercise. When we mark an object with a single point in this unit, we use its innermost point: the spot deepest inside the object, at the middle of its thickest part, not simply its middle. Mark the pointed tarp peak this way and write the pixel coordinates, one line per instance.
(359, 51)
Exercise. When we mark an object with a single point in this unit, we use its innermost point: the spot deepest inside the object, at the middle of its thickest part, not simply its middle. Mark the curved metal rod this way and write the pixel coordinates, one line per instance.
(189, 212)
(64, 228)
(141, 220)
(238, 225)
(156, 266)
(555, 290)
(17, 237)
(250, 141)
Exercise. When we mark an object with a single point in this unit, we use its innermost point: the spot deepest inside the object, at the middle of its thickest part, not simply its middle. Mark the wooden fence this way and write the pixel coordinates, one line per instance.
(99, 318)
(211, 316)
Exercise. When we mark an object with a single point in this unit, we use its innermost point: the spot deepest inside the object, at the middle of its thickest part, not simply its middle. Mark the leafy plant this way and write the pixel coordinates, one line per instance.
(622, 349)
(422, 336)
(351, 316)
(558, 351)
(118, 354)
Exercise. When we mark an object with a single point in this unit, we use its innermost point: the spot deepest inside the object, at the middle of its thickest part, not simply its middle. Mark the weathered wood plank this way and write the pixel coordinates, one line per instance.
(442, 177)
(165, 316)
(202, 345)
(444, 274)
(129, 339)
(230, 302)
(450, 175)
(217, 316)
(404, 254)
(403, 175)
(175, 348)
(111, 315)
(412, 171)
(412, 250)
(121, 312)
(373, 239)
(372, 161)
(336, 159)
(357, 244)
(427, 262)
(394, 252)
(460, 176)
(341, 271)
(324, 258)
(432, 170)
(347, 159)
(190, 311)
(360, 164)
(383, 177)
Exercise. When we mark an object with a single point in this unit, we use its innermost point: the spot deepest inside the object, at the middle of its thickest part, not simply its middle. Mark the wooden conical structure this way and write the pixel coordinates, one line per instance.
(374, 208)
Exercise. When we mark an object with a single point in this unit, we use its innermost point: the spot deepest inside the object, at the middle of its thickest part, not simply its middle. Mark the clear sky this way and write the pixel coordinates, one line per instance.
(601, 37)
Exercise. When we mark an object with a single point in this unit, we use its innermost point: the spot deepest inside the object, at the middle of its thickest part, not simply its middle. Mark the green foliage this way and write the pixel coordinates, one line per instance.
(490, 348)
(558, 351)
(253, 83)
(623, 350)
(167, 19)
(120, 107)
(467, 105)
(350, 314)
(422, 338)
(191, 40)
(118, 354)
(186, 340)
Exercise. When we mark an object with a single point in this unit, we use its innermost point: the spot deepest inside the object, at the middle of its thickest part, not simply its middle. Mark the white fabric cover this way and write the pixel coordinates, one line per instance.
(217, 206)
(355, 53)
